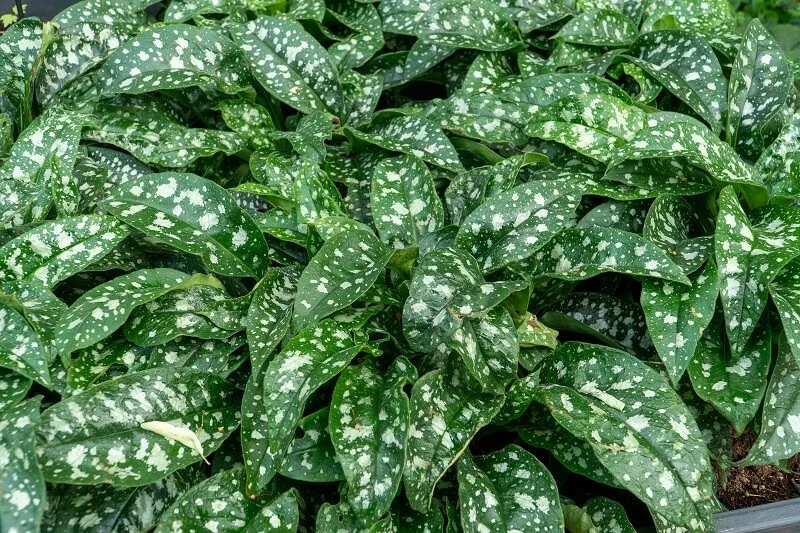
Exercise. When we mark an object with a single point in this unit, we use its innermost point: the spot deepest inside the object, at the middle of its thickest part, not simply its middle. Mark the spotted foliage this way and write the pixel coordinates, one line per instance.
(279, 265)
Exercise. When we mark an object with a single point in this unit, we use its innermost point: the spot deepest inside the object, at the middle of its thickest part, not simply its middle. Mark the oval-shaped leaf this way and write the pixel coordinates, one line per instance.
(413, 135)
(580, 253)
(369, 428)
(310, 359)
(749, 255)
(758, 89)
(515, 223)
(96, 436)
(403, 201)
(478, 24)
(195, 215)
(172, 57)
(780, 422)
(346, 266)
(289, 63)
(601, 27)
(633, 420)
(444, 418)
(312, 457)
(677, 315)
(270, 312)
(22, 489)
(56, 250)
(509, 490)
(687, 66)
(217, 504)
(102, 310)
(733, 382)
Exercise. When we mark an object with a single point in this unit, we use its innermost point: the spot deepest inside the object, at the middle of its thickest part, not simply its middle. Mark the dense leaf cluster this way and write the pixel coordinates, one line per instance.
(392, 265)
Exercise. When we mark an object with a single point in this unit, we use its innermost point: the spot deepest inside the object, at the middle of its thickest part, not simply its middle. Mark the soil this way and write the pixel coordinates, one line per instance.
(757, 485)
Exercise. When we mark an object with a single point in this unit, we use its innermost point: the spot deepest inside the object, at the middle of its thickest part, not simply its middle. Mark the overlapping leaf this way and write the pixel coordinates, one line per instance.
(369, 428)
(290, 64)
(509, 490)
(628, 413)
(97, 436)
(758, 89)
(196, 215)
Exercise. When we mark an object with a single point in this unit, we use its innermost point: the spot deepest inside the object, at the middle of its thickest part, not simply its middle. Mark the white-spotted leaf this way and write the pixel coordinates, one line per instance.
(369, 422)
(403, 201)
(195, 215)
(509, 490)
(96, 436)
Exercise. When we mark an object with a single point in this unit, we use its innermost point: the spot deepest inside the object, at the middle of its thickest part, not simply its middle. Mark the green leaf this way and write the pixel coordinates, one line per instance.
(22, 489)
(402, 17)
(594, 125)
(270, 313)
(539, 91)
(56, 250)
(540, 430)
(779, 164)
(403, 201)
(103, 508)
(195, 215)
(102, 310)
(444, 418)
(357, 48)
(758, 89)
(712, 15)
(217, 504)
(580, 253)
(173, 57)
(509, 490)
(41, 159)
(632, 419)
(692, 141)
(179, 313)
(612, 320)
(480, 24)
(290, 64)
(312, 457)
(76, 50)
(20, 348)
(470, 189)
(309, 137)
(608, 515)
(415, 136)
(489, 347)
(749, 255)
(533, 333)
(219, 356)
(542, 13)
(687, 67)
(601, 27)
(346, 266)
(157, 138)
(96, 436)
(732, 382)
(310, 359)
(369, 428)
(447, 289)
(361, 95)
(677, 316)
(515, 223)
(481, 116)
(248, 119)
(14, 389)
(779, 437)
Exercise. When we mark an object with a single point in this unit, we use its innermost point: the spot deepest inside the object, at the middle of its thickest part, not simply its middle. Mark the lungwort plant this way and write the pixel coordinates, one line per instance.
(269, 265)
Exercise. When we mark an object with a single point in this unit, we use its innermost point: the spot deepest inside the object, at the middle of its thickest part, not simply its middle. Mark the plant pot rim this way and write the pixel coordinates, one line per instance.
(777, 517)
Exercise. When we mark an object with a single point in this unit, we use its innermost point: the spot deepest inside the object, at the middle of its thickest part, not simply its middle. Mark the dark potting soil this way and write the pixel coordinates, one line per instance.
(757, 485)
